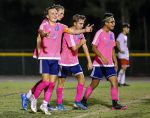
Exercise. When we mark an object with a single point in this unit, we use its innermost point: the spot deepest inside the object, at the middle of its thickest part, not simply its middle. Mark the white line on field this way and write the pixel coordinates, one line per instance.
(108, 109)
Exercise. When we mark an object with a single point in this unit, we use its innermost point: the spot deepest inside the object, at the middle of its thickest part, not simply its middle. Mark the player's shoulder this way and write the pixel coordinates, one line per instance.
(45, 21)
(60, 24)
(110, 32)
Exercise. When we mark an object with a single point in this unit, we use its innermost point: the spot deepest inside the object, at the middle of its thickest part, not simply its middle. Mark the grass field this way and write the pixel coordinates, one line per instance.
(136, 97)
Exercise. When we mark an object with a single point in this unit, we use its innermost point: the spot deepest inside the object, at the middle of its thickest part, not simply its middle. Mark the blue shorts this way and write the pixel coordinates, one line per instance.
(48, 67)
(63, 70)
(99, 72)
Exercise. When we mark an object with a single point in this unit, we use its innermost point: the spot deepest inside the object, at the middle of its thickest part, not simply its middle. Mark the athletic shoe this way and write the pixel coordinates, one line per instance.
(34, 105)
(25, 101)
(125, 84)
(45, 110)
(61, 107)
(84, 103)
(79, 105)
(50, 108)
(120, 85)
(118, 106)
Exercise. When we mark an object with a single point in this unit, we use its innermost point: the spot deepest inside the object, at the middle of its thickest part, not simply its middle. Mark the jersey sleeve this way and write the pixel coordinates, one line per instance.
(63, 27)
(96, 38)
(119, 38)
(69, 39)
(114, 43)
(43, 25)
(82, 35)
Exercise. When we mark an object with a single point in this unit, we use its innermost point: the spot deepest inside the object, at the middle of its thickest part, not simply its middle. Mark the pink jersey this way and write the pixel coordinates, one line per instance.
(68, 56)
(104, 42)
(50, 47)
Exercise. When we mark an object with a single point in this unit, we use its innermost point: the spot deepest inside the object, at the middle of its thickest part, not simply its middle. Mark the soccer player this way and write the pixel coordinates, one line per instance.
(105, 62)
(49, 55)
(123, 53)
(69, 62)
(25, 97)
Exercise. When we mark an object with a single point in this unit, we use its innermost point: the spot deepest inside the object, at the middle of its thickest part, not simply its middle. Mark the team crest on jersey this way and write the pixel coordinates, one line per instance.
(57, 28)
(108, 44)
(54, 36)
(111, 37)
(78, 36)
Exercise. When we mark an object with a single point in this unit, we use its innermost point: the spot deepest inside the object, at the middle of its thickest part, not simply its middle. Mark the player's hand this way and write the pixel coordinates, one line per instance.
(105, 61)
(89, 28)
(47, 35)
(90, 66)
(122, 52)
(83, 41)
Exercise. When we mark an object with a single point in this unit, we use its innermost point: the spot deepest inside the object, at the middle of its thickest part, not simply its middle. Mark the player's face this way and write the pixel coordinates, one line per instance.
(110, 24)
(79, 24)
(60, 14)
(127, 30)
(52, 15)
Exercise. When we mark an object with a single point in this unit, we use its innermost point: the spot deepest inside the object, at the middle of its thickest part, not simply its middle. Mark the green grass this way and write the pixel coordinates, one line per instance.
(136, 97)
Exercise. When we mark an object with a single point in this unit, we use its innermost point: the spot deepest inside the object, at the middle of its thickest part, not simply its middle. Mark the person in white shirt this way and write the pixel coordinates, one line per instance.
(123, 53)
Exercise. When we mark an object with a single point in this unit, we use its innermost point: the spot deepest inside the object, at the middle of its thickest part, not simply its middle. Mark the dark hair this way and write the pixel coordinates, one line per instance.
(46, 11)
(107, 17)
(76, 17)
(58, 7)
(125, 25)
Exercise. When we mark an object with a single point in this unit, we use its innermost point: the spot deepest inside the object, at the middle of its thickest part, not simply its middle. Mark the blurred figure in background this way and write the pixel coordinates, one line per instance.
(123, 53)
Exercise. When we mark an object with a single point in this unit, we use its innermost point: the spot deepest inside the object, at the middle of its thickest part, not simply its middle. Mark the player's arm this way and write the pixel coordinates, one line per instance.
(90, 65)
(114, 58)
(88, 28)
(38, 44)
(83, 41)
(118, 46)
(94, 48)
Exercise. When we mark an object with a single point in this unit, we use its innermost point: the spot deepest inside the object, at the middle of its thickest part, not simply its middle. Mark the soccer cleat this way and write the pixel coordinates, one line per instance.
(125, 84)
(79, 105)
(25, 101)
(118, 106)
(45, 110)
(84, 103)
(34, 105)
(50, 108)
(61, 107)
(120, 85)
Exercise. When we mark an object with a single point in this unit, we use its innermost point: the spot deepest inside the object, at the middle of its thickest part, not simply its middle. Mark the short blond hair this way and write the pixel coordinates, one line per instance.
(76, 17)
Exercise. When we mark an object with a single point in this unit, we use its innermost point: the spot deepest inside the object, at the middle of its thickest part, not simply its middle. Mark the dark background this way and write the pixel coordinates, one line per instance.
(20, 20)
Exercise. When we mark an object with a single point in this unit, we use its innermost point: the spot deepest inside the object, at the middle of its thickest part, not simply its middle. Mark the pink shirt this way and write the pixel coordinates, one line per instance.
(68, 56)
(50, 47)
(104, 42)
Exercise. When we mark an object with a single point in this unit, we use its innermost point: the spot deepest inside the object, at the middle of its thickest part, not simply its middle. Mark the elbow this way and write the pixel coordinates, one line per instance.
(73, 49)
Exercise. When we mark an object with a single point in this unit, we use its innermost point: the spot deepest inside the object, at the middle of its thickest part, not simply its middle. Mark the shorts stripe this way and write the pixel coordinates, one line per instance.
(40, 66)
(93, 71)
(60, 70)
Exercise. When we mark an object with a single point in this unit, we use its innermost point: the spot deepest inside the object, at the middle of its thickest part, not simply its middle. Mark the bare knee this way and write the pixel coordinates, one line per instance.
(80, 79)
(94, 83)
(61, 82)
(124, 68)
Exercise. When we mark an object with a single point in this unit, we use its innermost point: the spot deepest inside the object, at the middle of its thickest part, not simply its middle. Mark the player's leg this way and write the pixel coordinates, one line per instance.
(53, 72)
(78, 73)
(111, 75)
(96, 75)
(123, 77)
(44, 70)
(122, 70)
(62, 73)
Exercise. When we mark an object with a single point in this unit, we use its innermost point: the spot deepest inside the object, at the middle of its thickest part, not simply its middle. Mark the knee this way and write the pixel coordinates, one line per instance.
(93, 85)
(123, 68)
(115, 83)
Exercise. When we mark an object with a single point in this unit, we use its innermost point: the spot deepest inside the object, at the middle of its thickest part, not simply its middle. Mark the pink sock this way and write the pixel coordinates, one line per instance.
(79, 92)
(33, 89)
(39, 88)
(88, 92)
(59, 95)
(49, 91)
(114, 93)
